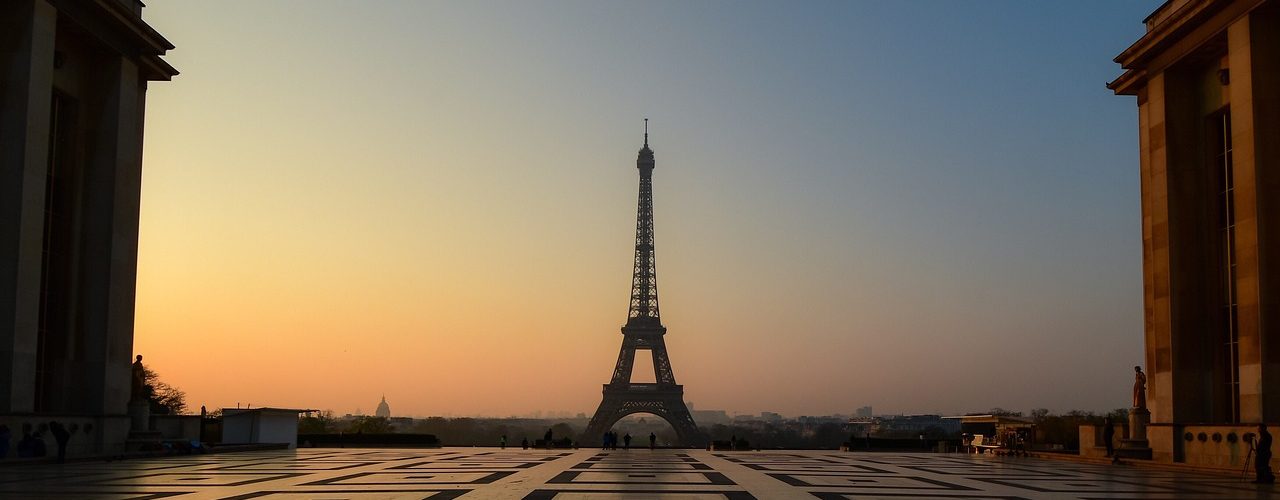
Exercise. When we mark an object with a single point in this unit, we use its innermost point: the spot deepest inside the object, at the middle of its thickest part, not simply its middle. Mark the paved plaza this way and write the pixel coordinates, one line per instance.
(468, 473)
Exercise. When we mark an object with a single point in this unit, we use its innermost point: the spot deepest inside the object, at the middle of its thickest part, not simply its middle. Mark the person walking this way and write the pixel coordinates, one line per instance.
(61, 436)
(1108, 437)
(502, 443)
(524, 443)
(626, 441)
(547, 437)
(653, 441)
(1262, 452)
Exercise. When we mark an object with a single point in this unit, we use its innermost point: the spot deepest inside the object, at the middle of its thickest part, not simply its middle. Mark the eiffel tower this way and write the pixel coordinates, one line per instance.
(644, 330)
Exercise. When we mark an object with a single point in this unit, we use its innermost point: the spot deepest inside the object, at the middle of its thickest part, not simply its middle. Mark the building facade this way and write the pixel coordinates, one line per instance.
(75, 75)
(1206, 75)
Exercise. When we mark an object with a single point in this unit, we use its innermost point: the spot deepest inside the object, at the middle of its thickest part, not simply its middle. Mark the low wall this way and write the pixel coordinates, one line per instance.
(177, 427)
(1204, 445)
(1092, 444)
(89, 435)
(1210, 445)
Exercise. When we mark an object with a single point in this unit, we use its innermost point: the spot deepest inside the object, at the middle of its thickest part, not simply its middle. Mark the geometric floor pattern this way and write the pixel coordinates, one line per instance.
(479, 473)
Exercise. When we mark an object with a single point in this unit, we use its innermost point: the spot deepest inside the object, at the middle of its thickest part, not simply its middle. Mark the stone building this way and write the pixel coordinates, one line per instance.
(1206, 76)
(74, 83)
(384, 410)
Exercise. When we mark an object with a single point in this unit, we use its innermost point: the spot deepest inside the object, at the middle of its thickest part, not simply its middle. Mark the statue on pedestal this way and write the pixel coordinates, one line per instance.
(1139, 388)
(139, 399)
(139, 391)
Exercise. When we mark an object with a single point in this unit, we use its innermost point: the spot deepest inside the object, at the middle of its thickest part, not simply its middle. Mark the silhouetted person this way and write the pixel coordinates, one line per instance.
(25, 445)
(653, 441)
(626, 441)
(37, 445)
(547, 437)
(1108, 436)
(733, 442)
(1263, 453)
(604, 440)
(524, 443)
(61, 436)
(502, 443)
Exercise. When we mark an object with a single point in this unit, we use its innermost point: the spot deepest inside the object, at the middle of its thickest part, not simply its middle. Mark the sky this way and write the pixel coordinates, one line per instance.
(922, 206)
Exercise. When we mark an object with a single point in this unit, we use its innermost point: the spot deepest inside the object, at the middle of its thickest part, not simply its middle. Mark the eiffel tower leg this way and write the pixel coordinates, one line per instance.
(669, 406)
(626, 359)
(662, 364)
(606, 415)
(677, 414)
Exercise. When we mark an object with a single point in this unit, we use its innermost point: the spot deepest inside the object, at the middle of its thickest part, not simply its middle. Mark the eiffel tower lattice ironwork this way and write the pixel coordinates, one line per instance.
(644, 331)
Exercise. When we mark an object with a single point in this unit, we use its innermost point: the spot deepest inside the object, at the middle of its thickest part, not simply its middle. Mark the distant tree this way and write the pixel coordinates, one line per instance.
(1001, 412)
(1083, 415)
(1063, 429)
(1039, 413)
(165, 399)
(1119, 415)
(828, 435)
(562, 430)
(321, 423)
(370, 425)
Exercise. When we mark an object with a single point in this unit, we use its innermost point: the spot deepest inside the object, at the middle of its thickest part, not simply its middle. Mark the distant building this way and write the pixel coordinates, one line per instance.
(1206, 75)
(73, 86)
(383, 410)
(863, 412)
(771, 417)
(710, 417)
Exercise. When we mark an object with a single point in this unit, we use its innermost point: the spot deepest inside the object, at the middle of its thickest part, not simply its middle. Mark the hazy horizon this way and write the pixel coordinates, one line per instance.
(919, 206)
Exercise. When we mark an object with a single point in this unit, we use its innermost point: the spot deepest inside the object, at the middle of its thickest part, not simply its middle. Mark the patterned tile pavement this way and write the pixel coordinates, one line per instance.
(479, 473)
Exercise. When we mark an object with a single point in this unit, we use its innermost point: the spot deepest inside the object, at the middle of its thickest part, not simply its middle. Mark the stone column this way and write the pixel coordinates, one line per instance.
(27, 29)
(110, 231)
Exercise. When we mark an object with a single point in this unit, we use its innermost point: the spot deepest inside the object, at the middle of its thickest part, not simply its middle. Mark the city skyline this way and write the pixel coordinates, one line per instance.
(436, 201)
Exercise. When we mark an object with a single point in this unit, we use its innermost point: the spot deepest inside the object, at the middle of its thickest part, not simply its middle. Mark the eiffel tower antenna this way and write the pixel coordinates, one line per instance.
(644, 331)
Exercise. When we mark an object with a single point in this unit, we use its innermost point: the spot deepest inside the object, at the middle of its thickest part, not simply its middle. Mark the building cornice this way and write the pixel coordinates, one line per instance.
(124, 30)
(1165, 42)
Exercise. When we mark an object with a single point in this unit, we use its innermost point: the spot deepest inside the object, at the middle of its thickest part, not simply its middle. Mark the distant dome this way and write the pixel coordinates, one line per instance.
(383, 410)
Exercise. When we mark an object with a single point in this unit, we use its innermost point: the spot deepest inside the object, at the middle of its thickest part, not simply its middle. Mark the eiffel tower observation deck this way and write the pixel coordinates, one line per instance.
(644, 331)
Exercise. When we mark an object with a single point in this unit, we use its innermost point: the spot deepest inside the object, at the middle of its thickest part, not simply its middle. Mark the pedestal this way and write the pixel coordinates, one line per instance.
(1138, 420)
(1136, 446)
(139, 416)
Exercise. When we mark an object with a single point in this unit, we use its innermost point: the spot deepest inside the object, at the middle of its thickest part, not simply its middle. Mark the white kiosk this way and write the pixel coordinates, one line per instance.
(260, 425)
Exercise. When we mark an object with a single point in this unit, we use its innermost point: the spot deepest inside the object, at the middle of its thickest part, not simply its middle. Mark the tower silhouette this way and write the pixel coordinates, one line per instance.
(644, 330)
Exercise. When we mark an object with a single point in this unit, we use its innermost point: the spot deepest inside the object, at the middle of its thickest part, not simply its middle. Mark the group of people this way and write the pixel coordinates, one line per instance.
(610, 441)
(32, 444)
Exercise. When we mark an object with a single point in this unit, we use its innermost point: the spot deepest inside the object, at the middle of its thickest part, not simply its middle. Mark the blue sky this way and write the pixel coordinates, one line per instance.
(917, 205)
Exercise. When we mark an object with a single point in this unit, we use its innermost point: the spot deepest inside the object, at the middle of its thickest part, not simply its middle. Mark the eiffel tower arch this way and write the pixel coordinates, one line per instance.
(644, 331)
